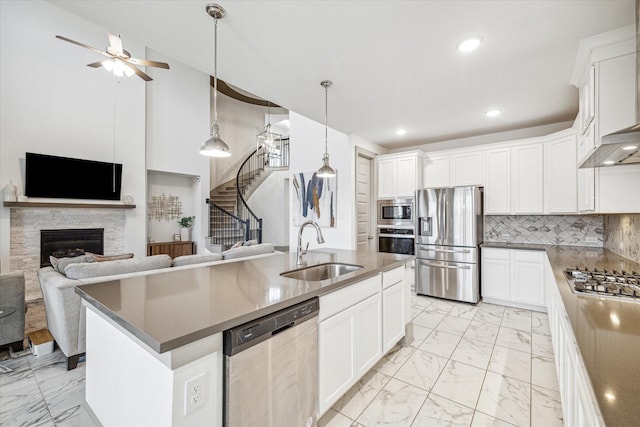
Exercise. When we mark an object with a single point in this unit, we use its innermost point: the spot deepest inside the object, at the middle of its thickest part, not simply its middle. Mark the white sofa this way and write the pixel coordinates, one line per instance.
(65, 313)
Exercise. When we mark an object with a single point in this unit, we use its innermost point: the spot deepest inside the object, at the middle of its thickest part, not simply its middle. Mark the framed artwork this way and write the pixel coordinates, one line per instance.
(177, 237)
(314, 199)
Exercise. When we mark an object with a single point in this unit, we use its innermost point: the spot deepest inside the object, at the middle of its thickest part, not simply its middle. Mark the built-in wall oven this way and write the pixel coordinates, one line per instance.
(396, 240)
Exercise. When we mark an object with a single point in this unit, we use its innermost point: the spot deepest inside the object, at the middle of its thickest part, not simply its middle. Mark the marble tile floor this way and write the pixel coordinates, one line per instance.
(483, 365)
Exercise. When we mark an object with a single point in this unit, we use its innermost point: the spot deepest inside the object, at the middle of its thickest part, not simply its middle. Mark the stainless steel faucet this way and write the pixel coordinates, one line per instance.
(299, 250)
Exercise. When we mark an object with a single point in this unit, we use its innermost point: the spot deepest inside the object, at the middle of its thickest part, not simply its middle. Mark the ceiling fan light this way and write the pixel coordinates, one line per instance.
(128, 71)
(108, 65)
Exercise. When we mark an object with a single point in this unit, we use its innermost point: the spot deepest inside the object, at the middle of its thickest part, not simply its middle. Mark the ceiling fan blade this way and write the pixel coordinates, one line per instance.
(115, 44)
(148, 63)
(95, 64)
(140, 74)
(85, 46)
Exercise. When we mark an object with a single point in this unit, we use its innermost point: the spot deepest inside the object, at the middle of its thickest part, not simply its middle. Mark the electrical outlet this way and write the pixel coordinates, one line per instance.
(195, 393)
(591, 240)
(505, 235)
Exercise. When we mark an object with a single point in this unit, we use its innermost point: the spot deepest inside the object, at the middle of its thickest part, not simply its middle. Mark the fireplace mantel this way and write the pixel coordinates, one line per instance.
(67, 205)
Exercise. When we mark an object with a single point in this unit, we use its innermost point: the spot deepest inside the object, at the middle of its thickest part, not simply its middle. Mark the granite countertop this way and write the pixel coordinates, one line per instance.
(170, 309)
(607, 332)
(524, 246)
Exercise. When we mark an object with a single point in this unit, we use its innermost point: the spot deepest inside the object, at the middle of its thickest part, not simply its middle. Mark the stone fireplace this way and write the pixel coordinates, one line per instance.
(27, 223)
(69, 243)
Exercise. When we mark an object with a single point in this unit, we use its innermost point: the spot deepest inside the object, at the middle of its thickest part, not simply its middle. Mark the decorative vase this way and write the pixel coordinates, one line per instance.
(10, 192)
(185, 234)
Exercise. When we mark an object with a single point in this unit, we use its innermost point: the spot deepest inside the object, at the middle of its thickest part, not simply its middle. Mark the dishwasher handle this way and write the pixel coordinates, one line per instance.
(247, 335)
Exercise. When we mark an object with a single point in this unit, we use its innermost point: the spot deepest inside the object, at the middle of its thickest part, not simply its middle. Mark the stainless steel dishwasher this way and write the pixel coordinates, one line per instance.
(271, 369)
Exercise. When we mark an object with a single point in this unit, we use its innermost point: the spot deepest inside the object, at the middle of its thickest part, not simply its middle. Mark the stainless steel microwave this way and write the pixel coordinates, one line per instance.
(395, 212)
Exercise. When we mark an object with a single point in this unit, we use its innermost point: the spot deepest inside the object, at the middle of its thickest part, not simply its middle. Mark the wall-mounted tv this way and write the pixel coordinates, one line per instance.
(67, 178)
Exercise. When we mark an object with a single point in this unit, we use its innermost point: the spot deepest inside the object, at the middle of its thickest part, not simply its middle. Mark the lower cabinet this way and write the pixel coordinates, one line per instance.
(579, 405)
(357, 325)
(513, 277)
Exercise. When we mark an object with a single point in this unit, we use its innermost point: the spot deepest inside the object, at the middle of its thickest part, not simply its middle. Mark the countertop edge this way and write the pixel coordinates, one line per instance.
(172, 344)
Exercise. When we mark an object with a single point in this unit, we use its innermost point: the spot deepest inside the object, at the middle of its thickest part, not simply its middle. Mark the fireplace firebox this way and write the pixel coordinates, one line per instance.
(70, 242)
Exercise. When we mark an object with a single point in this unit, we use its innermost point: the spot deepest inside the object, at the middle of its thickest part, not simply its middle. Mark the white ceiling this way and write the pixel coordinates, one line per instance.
(393, 63)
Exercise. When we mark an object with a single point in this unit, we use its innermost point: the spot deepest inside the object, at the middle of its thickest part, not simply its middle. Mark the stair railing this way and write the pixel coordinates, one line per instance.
(225, 227)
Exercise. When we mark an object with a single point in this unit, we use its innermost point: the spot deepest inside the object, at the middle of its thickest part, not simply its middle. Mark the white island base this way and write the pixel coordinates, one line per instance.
(129, 384)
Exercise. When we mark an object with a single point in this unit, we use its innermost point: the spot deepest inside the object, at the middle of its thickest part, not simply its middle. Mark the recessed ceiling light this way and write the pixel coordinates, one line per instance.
(608, 163)
(401, 132)
(493, 113)
(630, 147)
(469, 44)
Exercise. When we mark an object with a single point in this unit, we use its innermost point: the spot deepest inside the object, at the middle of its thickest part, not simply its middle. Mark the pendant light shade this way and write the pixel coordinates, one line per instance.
(325, 171)
(215, 146)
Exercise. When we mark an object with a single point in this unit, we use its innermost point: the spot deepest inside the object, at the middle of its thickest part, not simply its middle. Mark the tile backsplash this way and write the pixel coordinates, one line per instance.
(570, 230)
(622, 235)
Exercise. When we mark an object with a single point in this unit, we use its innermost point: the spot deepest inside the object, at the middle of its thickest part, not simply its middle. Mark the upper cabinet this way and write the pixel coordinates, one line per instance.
(527, 179)
(616, 94)
(453, 170)
(560, 175)
(497, 191)
(436, 171)
(399, 175)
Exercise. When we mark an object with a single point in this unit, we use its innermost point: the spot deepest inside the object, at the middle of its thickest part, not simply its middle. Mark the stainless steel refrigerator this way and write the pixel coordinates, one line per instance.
(449, 228)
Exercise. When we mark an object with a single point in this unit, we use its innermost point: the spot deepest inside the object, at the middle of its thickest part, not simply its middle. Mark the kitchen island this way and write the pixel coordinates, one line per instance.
(154, 340)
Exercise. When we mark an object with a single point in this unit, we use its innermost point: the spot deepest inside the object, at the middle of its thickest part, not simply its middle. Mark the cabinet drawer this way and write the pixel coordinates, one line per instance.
(528, 256)
(344, 298)
(495, 253)
(392, 276)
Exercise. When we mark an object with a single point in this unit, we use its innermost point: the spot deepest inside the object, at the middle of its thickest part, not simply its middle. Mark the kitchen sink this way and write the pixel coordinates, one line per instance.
(315, 273)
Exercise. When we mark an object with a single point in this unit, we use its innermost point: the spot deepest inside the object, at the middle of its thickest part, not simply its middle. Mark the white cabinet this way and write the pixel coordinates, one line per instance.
(616, 94)
(586, 190)
(579, 405)
(436, 171)
(349, 338)
(497, 181)
(393, 306)
(560, 176)
(513, 277)
(399, 175)
(527, 179)
(466, 168)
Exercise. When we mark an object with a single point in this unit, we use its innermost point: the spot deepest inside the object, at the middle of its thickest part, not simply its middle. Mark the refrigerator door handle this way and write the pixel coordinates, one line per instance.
(456, 267)
(452, 251)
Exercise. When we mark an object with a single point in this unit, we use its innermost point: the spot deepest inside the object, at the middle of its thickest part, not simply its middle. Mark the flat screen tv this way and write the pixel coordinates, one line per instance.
(67, 178)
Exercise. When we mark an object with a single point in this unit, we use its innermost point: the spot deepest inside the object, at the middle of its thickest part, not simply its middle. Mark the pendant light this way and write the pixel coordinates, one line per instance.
(215, 146)
(325, 171)
(270, 142)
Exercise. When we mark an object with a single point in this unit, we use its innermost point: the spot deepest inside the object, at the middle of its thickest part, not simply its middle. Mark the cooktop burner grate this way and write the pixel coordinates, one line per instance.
(604, 282)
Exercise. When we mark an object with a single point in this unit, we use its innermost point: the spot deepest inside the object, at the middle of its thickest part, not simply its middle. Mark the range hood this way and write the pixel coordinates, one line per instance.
(623, 146)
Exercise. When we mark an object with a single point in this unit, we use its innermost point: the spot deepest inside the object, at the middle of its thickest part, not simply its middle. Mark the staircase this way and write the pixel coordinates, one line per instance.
(230, 219)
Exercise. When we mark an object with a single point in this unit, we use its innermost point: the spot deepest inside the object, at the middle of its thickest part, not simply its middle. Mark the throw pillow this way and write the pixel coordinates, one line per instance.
(59, 264)
(236, 245)
(101, 258)
(250, 243)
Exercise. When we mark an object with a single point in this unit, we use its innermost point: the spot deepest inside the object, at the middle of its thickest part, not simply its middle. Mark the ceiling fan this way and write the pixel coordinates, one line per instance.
(120, 61)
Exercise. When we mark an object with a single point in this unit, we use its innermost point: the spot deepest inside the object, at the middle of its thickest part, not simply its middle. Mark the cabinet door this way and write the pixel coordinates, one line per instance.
(392, 315)
(616, 94)
(497, 182)
(586, 142)
(436, 172)
(406, 177)
(586, 190)
(495, 274)
(368, 334)
(386, 178)
(466, 169)
(560, 177)
(336, 357)
(527, 277)
(526, 179)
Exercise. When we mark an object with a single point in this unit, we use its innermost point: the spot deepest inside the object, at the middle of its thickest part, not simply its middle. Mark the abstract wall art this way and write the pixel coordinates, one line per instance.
(314, 199)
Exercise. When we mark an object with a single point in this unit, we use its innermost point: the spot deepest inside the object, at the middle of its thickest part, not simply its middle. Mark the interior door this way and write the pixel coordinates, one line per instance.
(363, 203)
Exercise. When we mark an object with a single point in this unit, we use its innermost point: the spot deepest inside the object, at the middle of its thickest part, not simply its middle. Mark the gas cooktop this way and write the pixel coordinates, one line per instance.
(610, 283)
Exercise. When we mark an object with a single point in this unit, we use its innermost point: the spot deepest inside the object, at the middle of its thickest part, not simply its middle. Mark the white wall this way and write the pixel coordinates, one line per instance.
(270, 201)
(307, 148)
(52, 103)
(177, 123)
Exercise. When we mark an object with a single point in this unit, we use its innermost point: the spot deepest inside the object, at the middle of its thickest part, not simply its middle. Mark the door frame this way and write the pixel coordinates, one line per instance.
(361, 152)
